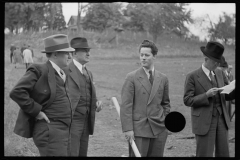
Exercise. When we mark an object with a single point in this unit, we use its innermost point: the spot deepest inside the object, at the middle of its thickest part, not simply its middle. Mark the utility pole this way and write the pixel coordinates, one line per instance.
(79, 18)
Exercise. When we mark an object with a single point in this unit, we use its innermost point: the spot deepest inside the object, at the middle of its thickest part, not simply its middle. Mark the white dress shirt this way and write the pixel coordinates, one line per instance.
(147, 72)
(58, 69)
(78, 65)
(207, 71)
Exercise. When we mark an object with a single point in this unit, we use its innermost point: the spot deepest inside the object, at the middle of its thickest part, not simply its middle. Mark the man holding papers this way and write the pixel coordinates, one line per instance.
(210, 120)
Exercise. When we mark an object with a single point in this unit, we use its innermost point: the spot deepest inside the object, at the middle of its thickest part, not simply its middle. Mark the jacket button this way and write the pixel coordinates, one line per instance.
(144, 93)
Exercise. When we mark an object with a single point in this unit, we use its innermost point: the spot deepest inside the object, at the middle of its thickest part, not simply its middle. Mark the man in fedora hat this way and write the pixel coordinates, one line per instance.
(145, 104)
(210, 120)
(83, 97)
(45, 109)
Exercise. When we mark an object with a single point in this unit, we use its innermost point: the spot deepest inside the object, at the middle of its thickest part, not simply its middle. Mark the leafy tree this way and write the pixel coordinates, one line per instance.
(100, 16)
(59, 22)
(224, 29)
(14, 16)
(157, 18)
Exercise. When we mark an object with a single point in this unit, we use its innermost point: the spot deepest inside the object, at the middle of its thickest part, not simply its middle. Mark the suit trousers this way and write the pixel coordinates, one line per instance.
(217, 136)
(150, 147)
(51, 138)
(79, 134)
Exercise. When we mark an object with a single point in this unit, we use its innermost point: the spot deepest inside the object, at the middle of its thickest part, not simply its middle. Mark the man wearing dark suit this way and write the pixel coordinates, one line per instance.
(145, 104)
(45, 109)
(210, 120)
(83, 97)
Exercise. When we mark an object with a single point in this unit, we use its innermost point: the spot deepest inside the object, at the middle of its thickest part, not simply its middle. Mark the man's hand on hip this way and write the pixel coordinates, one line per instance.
(42, 115)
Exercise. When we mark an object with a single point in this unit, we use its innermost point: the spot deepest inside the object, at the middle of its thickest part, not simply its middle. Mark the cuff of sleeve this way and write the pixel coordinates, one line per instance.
(36, 110)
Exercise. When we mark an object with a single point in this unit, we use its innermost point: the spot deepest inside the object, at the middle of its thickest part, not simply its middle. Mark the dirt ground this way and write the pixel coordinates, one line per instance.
(109, 75)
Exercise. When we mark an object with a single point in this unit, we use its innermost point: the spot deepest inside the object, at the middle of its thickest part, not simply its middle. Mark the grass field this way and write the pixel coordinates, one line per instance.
(109, 66)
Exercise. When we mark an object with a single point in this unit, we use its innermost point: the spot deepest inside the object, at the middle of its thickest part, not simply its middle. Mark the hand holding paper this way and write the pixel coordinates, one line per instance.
(228, 88)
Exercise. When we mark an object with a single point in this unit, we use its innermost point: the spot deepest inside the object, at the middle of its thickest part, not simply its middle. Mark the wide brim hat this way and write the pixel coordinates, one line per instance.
(213, 50)
(79, 42)
(57, 43)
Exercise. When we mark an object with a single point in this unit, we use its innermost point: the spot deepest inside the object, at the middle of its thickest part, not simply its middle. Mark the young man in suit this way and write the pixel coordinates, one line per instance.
(45, 109)
(210, 120)
(83, 97)
(145, 104)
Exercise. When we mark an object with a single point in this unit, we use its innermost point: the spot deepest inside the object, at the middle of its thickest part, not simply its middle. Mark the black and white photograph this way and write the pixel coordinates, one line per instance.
(119, 79)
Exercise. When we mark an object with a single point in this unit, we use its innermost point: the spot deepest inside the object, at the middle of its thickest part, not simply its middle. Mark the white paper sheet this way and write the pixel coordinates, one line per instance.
(228, 88)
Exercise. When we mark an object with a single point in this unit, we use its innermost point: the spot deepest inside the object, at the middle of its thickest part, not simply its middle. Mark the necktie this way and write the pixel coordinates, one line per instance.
(85, 73)
(151, 77)
(213, 80)
(63, 76)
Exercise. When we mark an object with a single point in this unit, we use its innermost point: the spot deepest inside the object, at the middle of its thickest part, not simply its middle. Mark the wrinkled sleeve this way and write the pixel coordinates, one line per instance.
(21, 92)
(127, 96)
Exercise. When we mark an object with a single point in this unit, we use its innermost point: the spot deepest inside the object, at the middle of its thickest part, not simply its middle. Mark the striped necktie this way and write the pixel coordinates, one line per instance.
(63, 76)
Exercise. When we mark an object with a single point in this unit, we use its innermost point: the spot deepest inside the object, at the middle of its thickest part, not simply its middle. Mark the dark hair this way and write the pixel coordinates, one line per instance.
(48, 55)
(149, 44)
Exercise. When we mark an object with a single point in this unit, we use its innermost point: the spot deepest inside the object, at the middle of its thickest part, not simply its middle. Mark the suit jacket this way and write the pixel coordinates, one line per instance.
(196, 86)
(144, 107)
(35, 90)
(72, 83)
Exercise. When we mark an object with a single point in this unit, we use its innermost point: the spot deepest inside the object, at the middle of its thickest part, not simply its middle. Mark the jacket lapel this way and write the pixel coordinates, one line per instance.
(219, 78)
(73, 73)
(51, 82)
(143, 79)
(156, 83)
(203, 80)
(91, 80)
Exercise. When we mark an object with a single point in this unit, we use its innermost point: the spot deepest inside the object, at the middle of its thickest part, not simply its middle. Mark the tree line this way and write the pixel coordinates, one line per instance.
(33, 16)
(154, 18)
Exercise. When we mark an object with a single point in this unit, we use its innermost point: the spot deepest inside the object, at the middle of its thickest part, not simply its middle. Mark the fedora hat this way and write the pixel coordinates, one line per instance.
(223, 63)
(58, 42)
(79, 42)
(213, 50)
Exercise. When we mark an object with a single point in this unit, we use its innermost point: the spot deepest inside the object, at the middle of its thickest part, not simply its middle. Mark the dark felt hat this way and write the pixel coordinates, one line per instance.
(223, 63)
(79, 42)
(213, 50)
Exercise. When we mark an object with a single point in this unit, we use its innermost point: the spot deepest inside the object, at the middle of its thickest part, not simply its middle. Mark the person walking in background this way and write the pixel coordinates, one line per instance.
(145, 104)
(23, 48)
(45, 110)
(27, 56)
(83, 97)
(12, 48)
(210, 119)
(17, 56)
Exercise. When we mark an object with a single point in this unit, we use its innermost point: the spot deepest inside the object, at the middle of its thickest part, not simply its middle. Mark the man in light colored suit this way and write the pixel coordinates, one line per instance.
(210, 119)
(145, 104)
(83, 97)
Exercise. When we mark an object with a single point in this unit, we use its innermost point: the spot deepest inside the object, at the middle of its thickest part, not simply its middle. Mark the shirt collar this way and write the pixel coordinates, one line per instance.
(206, 71)
(78, 65)
(147, 71)
(55, 66)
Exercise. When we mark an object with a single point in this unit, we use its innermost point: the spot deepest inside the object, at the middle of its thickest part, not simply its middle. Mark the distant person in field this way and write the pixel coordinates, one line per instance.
(227, 72)
(23, 48)
(28, 56)
(145, 104)
(45, 110)
(12, 48)
(210, 119)
(83, 97)
(17, 56)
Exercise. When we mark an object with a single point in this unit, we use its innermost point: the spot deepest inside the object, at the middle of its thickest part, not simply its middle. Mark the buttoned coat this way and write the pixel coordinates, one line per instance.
(74, 93)
(144, 106)
(35, 90)
(196, 86)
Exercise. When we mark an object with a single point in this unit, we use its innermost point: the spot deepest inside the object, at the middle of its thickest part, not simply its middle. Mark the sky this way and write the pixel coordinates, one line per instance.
(198, 10)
